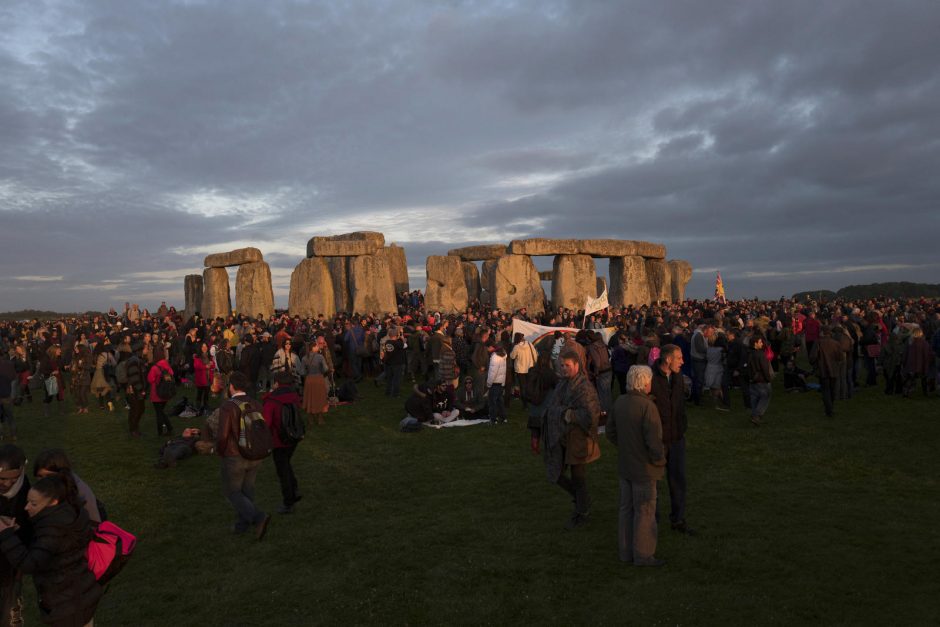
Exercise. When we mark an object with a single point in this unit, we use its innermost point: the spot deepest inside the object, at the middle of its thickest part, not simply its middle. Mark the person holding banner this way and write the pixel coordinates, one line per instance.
(569, 434)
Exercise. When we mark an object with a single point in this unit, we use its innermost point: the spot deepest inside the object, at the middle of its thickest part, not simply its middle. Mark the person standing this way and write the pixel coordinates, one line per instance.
(569, 434)
(829, 359)
(635, 429)
(760, 375)
(523, 357)
(160, 368)
(495, 380)
(136, 390)
(283, 398)
(394, 358)
(239, 474)
(668, 390)
(14, 487)
(82, 367)
(316, 401)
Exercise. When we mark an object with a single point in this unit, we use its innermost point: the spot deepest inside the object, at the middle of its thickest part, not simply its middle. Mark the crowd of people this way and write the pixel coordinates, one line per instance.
(629, 370)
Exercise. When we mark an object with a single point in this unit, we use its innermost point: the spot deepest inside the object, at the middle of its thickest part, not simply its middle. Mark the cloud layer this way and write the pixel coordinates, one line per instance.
(790, 145)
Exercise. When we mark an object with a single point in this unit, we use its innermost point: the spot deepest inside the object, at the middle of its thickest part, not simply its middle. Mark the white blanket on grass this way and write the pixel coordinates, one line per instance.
(460, 422)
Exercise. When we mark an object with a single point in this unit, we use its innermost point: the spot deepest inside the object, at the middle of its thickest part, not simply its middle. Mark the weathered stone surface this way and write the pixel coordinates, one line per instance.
(486, 281)
(546, 275)
(370, 285)
(399, 265)
(254, 294)
(628, 281)
(515, 284)
(233, 258)
(346, 245)
(216, 300)
(311, 289)
(541, 246)
(593, 247)
(601, 285)
(471, 278)
(446, 289)
(575, 281)
(339, 275)
(192, 289)
(680, 274)
(659, 279)
(479, 253)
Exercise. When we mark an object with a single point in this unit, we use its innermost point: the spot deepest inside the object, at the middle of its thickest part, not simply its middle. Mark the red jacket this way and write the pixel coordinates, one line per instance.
(811, 329)
(154, 376)
(202, 372)
(271, 410)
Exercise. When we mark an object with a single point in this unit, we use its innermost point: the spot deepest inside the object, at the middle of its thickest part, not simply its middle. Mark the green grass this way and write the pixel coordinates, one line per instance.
(803, 520)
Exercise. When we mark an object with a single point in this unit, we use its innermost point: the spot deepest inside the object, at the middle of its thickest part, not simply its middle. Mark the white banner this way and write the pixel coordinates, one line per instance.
(596, 304)
(534, 332)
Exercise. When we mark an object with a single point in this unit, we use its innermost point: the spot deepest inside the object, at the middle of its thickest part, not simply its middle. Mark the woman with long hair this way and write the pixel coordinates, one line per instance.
(316, 397)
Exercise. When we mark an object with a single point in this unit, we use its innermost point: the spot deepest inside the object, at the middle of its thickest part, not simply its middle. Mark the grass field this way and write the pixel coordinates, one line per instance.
(803, 520)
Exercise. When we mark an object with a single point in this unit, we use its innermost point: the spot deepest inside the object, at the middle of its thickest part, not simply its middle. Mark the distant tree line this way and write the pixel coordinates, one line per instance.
(898, 289)
(29, 314)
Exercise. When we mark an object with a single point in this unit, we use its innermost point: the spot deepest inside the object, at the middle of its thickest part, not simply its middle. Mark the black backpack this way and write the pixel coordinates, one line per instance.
(293, 427)
(347, 392)
(166, 385)
(225, 361)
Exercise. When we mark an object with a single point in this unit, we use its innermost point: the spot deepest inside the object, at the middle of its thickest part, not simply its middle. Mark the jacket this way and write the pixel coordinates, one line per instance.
(668, 394)
(153, 377)
(15, 507)
(226, 443)
(635, 429)
(576, 405)
(55, 558)
(523, 356)
(758, 366)
(497, 370)
(202, 372)
(272, 404)
(826, 355)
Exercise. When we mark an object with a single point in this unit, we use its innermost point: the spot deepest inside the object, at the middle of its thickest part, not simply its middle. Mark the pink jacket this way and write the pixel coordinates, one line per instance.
(154, 375)
(202, 372)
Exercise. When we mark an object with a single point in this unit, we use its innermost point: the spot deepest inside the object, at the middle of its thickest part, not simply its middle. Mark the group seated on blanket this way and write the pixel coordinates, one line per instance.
(433, 401)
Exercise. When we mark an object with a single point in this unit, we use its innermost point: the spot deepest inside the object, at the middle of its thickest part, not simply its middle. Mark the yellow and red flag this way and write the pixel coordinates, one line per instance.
(719, 289)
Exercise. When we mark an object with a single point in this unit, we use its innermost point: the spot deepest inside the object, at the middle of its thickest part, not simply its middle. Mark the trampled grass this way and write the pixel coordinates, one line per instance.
(803, 520)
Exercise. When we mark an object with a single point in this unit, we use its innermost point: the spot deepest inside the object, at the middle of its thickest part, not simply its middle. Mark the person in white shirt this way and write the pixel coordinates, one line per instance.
(523, 357)
(495, 380)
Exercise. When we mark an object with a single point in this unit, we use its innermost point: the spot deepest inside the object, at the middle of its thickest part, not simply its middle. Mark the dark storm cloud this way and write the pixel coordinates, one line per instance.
(791, 145)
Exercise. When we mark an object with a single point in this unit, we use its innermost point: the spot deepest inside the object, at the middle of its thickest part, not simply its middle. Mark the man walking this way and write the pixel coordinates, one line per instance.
(238, 473)
(827, 356)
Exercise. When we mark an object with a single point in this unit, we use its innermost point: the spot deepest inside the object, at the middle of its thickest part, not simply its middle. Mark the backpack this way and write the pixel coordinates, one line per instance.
(653, 356)
(120, 372)
(225, 361)
(254, 437)
(166, 385)
(293, 427)
(110, 548)
(598, 357)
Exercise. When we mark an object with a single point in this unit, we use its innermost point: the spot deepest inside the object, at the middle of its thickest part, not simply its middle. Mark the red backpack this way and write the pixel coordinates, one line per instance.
(109, 550)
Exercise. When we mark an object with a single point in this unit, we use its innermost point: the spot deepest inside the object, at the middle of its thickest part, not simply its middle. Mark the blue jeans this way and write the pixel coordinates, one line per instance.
(497, 410)
(760, 398)
(637, 520)
(238, 486)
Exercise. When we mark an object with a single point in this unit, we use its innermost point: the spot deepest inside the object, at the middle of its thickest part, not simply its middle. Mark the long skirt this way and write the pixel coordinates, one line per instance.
(316, 398)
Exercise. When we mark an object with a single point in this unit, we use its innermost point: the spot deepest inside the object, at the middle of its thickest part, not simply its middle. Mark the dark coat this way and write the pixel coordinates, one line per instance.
(826, 355)
(917, 357)
(576, 400)
(635, 429)
(15, 507)
(419, 405)
(758, 367)
(669, 395)
(55, 558)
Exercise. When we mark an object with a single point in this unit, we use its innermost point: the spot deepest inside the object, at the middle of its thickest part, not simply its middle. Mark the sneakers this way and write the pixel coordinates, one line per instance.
(576, 521)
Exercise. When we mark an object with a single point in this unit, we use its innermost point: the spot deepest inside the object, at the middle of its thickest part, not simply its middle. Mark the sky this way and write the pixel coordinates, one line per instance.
(790, 145)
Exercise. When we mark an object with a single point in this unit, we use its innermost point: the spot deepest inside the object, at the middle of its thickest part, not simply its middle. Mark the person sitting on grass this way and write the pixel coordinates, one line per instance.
(178, 449)
(469, 402)
(443, 401)
(420, 404)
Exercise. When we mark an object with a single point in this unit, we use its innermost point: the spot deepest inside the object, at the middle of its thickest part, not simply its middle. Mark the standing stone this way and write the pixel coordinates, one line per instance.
(575, 279)
(192, 288)
(601, 285)
(233, 258)
(538, 246)
(253, 291)
(399, 266)
(628, 281)
(516, 285)
(339, 276)
(216, 300)
(486, 281)
(471, 278)
(446, 288)
(370, 285)
(680, 274)
(660, 280)
(311, 289)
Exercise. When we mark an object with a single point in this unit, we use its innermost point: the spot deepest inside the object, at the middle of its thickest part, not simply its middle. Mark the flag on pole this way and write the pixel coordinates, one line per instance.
(719, 289)
(595, 304)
